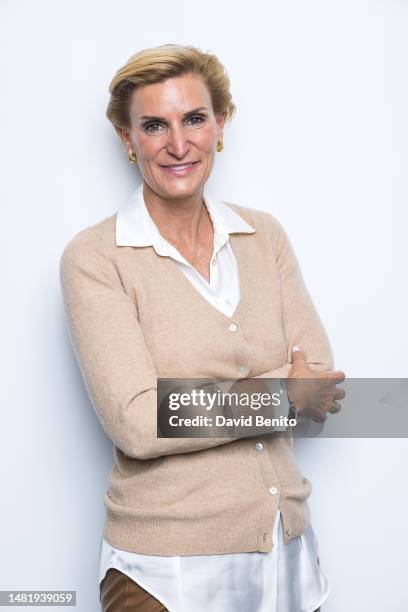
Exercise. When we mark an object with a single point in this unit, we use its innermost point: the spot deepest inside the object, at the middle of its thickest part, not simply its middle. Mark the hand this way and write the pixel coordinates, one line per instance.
(313, 392)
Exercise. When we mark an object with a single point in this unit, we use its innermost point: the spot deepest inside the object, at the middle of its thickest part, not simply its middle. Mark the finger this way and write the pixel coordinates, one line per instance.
(297, 354)
(334, 408)
(339, 394)
(337, 374)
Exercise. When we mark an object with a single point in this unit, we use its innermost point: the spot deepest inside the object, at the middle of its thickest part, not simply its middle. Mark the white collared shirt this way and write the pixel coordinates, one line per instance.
(135, 227)
(289, 578)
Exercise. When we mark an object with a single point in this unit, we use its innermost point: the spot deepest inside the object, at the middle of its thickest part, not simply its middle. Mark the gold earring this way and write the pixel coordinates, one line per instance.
(132, 156)
(220, 146)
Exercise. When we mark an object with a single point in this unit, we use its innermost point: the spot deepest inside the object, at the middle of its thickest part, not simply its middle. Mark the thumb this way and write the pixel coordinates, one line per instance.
(297, 354)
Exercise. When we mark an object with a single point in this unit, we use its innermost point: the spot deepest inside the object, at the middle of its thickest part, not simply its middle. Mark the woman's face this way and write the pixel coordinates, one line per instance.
(174, 133)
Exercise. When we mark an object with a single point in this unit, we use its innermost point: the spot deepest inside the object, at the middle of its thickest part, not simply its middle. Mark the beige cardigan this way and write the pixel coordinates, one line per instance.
(133, 317)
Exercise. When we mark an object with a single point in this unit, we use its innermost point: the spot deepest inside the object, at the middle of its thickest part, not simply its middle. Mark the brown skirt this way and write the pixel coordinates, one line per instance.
(119, 593)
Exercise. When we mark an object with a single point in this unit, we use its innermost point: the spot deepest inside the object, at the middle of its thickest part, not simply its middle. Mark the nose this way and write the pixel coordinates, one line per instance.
(177, 143)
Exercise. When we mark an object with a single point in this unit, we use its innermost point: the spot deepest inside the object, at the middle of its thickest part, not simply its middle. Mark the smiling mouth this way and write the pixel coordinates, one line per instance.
(179, 168)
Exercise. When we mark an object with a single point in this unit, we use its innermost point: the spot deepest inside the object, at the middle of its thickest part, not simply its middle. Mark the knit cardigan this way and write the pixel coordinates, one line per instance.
(133, 317)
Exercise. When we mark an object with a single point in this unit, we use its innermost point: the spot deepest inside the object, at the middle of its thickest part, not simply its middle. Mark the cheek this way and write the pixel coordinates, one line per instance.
(149, 146)
(205, 139)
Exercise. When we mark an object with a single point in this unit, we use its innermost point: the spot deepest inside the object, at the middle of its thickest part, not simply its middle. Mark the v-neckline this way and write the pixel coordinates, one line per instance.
(243, 275)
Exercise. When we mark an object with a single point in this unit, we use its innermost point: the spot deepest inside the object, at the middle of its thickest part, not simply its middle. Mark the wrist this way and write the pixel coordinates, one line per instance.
(293, 412)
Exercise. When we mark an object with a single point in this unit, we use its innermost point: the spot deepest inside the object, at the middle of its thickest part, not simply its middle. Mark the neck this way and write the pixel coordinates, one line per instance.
(179, 218)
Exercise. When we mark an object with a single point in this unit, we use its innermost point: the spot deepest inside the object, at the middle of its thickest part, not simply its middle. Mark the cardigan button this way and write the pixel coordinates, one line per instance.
(233, 327)
(259, 446)
(243, 369)
(273, 490)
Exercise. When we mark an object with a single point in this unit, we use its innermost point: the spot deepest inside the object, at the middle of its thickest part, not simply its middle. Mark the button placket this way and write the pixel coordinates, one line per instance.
(268, 475)
(267, 470)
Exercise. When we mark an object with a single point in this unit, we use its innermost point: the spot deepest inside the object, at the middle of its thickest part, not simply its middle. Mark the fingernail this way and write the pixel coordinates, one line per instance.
(296, 348)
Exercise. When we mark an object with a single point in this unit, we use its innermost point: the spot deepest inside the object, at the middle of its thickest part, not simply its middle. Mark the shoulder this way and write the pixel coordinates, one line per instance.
(265, 223)
(94, 240)
(87, 261)
(87, 264)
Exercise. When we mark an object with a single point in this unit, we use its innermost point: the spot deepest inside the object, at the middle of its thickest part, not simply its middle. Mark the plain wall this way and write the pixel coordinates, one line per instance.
(320, 140)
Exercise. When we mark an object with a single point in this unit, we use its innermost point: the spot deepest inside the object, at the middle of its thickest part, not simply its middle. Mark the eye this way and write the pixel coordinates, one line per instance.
(152, 127)
(196, 119)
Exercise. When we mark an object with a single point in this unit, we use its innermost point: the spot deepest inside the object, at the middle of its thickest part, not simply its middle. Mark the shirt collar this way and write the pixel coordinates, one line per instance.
(135, 227)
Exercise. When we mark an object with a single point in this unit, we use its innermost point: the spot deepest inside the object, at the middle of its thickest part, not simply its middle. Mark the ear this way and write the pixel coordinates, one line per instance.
(124, 136)
(220, 118)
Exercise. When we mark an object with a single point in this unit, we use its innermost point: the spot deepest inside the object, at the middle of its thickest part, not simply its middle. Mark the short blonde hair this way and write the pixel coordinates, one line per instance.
(157, 64)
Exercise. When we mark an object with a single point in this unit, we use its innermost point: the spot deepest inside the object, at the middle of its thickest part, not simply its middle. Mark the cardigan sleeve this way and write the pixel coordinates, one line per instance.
(116, 366)
(301, 322)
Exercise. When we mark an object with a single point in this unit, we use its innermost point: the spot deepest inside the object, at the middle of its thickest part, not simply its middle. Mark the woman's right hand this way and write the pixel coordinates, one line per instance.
(313, 392)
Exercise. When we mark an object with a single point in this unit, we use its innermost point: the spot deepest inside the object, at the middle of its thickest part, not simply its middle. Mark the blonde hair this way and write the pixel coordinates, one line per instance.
(157, 64)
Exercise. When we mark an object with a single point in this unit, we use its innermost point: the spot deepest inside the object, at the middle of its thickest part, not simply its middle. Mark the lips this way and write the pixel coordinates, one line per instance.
(179, 169)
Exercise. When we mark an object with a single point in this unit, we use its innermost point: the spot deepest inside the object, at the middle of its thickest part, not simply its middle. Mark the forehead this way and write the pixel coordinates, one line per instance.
(174, 96)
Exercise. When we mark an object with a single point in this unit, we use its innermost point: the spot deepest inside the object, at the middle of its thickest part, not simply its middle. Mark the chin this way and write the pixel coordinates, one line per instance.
(181, 194)
(182, 188)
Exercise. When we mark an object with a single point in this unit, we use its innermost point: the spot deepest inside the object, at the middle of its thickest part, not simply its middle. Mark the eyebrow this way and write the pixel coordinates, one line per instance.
(152, 117)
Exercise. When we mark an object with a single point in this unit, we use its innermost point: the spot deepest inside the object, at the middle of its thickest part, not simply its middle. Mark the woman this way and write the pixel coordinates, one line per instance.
(181, 285)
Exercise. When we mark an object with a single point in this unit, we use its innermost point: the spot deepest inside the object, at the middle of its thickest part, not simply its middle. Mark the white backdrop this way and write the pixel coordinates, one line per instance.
(320, 140)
